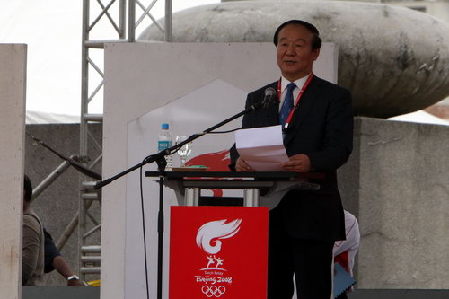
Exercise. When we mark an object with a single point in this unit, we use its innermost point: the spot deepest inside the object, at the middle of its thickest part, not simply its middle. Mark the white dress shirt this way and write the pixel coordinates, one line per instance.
(299, 84)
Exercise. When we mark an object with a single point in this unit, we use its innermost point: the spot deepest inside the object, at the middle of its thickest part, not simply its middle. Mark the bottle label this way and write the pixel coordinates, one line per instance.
(162, 145)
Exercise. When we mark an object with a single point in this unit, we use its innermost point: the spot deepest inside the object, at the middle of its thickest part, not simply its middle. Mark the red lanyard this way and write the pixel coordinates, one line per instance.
(298, 98)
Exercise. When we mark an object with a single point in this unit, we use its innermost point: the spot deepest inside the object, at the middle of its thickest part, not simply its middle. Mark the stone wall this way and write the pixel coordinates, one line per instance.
(397, 183)
(59, 203)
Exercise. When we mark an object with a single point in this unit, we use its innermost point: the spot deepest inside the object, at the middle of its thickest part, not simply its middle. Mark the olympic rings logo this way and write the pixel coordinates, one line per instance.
(211, 291)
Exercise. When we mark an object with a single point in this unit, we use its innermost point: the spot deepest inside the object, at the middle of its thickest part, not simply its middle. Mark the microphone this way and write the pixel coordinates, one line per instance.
(269, 97)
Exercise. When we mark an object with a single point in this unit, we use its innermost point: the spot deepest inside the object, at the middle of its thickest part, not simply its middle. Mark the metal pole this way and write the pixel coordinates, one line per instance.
(50, 179)
(122, 19)
(83, 125)
(131, 21)
(191, 197)
(251, 197)
(85, 73)
(168, 21)
(160, 241)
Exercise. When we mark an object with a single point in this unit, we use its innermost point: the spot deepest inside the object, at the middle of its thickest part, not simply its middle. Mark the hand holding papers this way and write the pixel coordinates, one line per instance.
(262, 148)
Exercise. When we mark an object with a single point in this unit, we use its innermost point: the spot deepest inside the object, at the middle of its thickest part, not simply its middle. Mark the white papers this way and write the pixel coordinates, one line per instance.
(262, 148)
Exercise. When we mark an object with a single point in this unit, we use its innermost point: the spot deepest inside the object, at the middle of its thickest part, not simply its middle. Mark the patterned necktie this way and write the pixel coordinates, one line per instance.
(287, 105)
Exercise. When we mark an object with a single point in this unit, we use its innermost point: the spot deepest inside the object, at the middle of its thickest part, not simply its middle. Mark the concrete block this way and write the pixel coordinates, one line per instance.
(397, 184)
(12, 124)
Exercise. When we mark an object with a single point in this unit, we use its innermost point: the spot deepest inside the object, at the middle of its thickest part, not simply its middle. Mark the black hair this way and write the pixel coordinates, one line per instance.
(27, 188)
(316, 41)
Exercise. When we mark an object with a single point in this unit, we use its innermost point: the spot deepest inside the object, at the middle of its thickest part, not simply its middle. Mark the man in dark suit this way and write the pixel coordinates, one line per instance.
(317, 119)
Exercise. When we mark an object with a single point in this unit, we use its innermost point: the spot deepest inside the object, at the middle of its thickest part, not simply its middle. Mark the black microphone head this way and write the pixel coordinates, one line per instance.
(270, 94)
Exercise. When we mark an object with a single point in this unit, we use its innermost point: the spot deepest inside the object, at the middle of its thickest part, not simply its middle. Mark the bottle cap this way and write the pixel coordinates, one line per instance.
(165, 126)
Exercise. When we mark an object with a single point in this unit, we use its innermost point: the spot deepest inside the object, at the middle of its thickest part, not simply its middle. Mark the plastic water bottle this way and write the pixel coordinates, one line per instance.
(164, 142)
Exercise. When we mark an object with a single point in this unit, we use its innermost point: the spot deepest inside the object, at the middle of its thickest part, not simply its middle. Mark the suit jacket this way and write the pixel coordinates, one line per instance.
(322, 128)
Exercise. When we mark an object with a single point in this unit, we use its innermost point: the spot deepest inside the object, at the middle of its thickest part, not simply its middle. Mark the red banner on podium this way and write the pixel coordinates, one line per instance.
(218, 252)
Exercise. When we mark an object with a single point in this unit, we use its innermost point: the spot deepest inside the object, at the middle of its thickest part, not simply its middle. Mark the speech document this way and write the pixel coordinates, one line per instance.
(262, 148)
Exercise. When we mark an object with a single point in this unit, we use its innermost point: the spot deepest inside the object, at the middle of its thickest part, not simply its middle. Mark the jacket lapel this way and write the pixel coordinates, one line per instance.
(305, 107)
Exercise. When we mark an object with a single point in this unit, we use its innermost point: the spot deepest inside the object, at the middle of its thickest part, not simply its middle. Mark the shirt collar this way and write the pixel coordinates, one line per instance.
(299, 83)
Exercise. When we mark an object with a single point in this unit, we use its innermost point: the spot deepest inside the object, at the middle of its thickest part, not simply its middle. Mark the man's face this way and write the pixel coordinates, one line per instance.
(295, 55)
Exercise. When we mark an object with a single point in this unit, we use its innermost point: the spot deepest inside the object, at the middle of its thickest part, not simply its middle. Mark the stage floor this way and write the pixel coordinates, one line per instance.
(398, 294)
(94, 293)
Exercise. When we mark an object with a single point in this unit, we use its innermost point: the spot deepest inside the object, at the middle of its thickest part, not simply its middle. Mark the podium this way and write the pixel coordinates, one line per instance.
(221, 252)
(190, 183)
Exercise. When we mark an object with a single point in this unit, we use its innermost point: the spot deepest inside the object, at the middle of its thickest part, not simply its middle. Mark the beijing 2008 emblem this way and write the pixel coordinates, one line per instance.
(214, 279)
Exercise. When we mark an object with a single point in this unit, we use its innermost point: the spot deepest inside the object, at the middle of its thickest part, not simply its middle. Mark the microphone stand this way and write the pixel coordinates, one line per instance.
(159, 158)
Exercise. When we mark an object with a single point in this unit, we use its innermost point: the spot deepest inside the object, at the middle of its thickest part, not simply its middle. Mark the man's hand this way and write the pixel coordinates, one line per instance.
(299, 163)
(241, 165)
(63, 268)
(74, 283)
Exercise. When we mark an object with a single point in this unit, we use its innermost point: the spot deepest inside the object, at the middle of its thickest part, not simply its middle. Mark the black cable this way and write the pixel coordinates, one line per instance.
(224, 132)
(144, 230)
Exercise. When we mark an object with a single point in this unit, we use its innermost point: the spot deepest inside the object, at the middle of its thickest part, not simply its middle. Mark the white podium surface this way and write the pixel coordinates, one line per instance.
(192, 86)
(12, 129)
